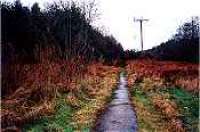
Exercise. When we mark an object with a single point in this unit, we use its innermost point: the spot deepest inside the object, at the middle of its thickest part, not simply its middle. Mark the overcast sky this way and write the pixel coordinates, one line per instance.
(116, 16)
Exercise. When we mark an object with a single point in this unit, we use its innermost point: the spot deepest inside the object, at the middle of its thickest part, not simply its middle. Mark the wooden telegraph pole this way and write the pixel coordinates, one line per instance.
(141, 20)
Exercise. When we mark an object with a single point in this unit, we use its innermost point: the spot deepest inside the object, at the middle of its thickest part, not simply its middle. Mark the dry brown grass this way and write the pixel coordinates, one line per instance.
(170, 110)
(42, 83)
(99, 84)
(36, 89)
(147, 119)
(172, 73)
(155, 112)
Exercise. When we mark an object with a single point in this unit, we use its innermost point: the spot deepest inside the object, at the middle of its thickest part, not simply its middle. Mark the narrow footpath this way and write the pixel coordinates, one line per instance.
(119, 116)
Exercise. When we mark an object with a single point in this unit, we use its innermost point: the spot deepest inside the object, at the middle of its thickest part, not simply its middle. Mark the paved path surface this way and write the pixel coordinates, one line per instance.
(119, 116)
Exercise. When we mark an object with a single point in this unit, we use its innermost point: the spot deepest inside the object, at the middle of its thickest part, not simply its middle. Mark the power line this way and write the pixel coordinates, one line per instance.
(141, 20)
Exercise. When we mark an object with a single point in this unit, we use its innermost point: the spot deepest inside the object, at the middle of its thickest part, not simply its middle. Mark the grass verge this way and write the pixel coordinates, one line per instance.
(77, 110)
(188, 104)
(59, 121)
(164, 108)
(148, 118)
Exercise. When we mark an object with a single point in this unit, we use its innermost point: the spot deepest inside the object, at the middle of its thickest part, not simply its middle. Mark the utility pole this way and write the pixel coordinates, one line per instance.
(141, 20)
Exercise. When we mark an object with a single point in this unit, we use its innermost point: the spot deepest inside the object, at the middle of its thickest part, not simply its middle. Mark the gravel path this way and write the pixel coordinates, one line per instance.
(119, 116)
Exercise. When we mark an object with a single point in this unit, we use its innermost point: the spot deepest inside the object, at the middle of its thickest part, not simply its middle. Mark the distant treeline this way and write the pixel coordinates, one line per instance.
(183, 46)
(63, 29)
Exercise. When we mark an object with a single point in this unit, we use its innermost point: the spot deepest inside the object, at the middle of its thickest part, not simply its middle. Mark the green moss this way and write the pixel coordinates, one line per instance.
(60, 121)
(188, 104)
(144, 106)
(141, 96)
(123, 72)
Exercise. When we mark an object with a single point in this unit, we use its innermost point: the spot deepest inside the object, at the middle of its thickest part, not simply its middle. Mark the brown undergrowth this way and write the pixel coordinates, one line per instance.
(35, 96)
(98, 85)
(172, 73)
(155, 109)
(35, 90)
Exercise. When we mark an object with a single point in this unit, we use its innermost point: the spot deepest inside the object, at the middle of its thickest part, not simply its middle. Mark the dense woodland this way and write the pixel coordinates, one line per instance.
(63, 27)
(183, 46)
(60, 35)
